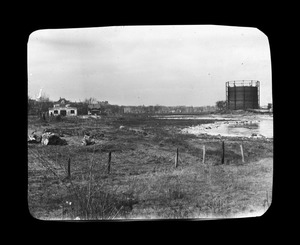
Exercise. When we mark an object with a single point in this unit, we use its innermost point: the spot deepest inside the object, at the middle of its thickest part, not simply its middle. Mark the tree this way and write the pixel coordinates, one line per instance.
(157, 108)
(90, 100)
(221, 105)
(44, 98)
(30, 104)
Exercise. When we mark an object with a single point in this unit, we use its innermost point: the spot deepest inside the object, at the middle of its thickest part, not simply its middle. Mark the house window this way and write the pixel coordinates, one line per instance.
(72, 111)
(55, 111)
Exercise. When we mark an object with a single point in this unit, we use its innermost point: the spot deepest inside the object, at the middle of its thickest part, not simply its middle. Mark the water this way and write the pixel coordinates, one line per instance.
(248, 126)
(170, 117)
(247, 129)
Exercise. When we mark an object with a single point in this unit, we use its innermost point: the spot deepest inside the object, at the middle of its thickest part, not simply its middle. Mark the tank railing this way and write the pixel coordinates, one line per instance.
(242, 83)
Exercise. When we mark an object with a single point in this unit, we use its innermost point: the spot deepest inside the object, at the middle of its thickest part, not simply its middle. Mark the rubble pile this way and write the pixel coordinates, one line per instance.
(49, 138)
(87, 140)
(34, 138)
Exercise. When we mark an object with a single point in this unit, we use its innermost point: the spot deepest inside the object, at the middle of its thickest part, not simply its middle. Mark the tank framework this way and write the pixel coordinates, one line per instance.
(242, 94)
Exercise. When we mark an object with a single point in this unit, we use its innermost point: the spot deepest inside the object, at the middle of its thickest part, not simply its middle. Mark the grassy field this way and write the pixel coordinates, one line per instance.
(143, 182)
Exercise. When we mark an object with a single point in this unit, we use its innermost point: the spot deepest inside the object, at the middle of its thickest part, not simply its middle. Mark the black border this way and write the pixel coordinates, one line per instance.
(274, 212)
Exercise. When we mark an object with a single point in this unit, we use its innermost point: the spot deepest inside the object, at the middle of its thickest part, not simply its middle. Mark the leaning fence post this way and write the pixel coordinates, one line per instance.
(176, 159)
(242, 152)
(223, 152)
(69, 168)
(109, 160)
(203, 159)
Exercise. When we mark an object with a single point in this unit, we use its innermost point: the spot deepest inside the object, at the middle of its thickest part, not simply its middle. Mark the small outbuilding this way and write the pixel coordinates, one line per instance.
(63, 108)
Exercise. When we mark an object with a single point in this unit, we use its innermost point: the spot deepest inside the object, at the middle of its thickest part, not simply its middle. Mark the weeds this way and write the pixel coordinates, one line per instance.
(87, 200)
(143, 173)
(218, 207)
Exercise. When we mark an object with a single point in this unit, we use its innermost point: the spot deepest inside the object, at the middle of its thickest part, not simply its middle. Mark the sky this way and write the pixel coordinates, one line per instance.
(147, 65)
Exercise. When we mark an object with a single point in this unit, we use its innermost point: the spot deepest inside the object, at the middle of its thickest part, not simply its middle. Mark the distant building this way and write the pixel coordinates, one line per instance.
(134, 109)
(128, 109)
(94, 109)
(197, 109)
(208, 108)
(101, 107)
(189, 109)
(242, 94)
(62, 107)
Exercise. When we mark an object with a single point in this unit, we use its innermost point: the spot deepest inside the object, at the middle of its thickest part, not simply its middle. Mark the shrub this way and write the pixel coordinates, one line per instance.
(94, 205)
(58, 118)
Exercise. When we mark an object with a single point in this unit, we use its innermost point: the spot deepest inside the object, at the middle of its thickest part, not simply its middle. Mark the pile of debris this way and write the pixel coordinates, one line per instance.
(50, 138)
(34, 138)
(47, 138)
(87, 140)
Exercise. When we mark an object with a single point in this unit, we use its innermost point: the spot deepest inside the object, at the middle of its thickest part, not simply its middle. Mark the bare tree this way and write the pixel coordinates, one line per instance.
(30, 102)
(44, 98)
(90, 100)
(221, 105)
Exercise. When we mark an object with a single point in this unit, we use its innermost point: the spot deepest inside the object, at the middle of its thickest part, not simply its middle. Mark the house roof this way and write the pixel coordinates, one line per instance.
(62, 103)
(63, 100)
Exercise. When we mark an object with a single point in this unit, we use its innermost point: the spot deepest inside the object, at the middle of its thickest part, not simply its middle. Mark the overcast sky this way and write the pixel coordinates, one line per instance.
(147, 65)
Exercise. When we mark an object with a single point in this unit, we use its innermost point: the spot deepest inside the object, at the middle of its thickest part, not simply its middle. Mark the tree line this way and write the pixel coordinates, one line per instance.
(42, 105)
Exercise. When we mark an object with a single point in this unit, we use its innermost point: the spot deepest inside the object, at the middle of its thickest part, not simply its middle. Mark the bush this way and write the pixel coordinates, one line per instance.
(58, 118)
(221, 105)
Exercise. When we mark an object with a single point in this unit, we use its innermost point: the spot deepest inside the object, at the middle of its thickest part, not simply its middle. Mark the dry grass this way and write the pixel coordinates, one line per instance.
(143, 182)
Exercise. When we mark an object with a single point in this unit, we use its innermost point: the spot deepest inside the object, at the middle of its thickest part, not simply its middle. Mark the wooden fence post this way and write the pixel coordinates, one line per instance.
(69, 168)
(176, 159)
(108, 164)
(203, 159)
(242, 152)
(223, 152)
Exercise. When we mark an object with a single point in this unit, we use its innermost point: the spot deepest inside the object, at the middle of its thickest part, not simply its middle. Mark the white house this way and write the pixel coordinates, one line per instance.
(62, 108)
